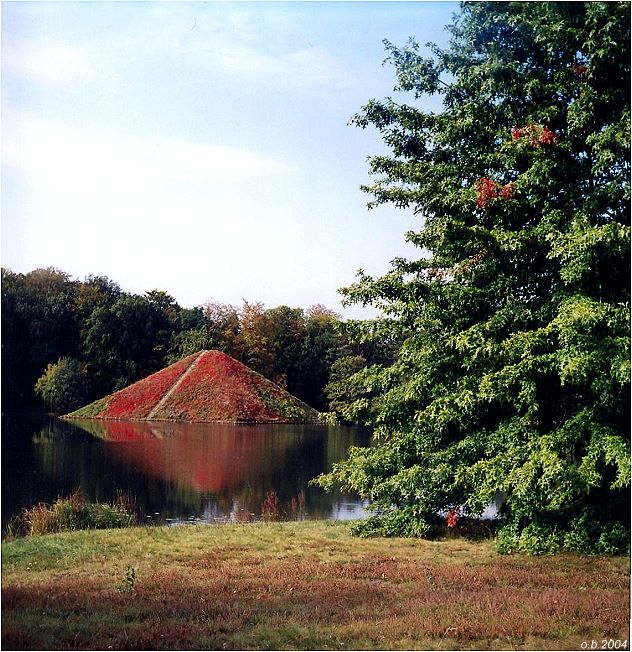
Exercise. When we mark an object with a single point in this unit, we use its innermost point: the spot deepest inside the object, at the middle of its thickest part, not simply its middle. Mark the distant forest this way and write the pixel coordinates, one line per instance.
(103, 338)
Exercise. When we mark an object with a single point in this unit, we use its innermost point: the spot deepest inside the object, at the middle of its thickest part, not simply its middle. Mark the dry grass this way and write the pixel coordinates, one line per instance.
(300, 586)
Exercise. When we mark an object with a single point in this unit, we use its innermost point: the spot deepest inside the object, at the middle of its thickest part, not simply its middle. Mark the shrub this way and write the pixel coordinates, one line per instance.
(62, 386)
(614, 540)
(585, 535)
(72, 513)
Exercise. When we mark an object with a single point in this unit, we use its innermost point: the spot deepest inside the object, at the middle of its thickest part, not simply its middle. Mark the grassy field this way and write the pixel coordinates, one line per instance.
(303, 585)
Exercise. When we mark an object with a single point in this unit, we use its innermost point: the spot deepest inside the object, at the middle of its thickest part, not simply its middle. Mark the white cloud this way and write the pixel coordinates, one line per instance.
(62, 155)
(230, 39)
(187, 160)
(301, 68)
(149, 211)
(167, 183)
(49, 61)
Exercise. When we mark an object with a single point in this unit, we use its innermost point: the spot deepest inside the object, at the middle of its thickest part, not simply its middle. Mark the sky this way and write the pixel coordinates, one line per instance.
(202, 148)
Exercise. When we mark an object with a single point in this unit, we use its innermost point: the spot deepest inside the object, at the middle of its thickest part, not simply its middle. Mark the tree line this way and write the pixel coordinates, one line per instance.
(66, 342)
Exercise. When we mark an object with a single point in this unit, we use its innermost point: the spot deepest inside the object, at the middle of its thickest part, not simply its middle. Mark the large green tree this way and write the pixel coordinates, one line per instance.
(514, 377)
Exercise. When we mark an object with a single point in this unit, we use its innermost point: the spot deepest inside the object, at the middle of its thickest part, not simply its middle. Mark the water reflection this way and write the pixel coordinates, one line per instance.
(178, 471)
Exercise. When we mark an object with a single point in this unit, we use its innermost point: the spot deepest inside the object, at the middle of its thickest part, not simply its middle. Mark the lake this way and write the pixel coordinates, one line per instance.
(177, 472)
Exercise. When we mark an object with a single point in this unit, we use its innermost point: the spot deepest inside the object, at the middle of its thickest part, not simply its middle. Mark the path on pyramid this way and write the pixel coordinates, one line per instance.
(206, 386)
(156, 409)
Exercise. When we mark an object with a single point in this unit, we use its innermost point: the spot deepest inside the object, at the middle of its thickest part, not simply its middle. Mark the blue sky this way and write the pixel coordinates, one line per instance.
(201, 148)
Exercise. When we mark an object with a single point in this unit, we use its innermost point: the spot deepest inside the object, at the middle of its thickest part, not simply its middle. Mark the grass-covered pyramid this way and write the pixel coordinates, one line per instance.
(205, 386)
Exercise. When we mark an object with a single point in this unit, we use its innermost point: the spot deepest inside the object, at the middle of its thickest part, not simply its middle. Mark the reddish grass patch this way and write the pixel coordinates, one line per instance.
(214, 598)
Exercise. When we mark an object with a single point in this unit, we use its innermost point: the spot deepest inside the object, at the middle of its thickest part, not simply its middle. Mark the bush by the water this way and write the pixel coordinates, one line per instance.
(72, 513)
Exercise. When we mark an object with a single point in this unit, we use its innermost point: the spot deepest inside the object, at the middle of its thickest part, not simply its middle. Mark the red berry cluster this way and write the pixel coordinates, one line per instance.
(487, 189)
(453, 518)
(579, 69)
(437, 273)
(472, 262)
(534, 135)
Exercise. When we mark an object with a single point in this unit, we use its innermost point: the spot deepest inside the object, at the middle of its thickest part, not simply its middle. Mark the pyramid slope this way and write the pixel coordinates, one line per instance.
(205, 386)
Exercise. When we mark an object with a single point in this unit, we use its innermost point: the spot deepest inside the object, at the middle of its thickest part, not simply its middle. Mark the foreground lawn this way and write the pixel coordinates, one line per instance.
(303, 585)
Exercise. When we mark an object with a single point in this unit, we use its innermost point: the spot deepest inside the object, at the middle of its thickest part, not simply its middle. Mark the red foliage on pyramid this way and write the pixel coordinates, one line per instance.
(205, 386)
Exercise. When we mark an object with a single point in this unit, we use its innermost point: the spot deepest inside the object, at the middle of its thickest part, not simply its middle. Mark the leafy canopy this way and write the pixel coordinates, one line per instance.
(514, 375)
(62, 385)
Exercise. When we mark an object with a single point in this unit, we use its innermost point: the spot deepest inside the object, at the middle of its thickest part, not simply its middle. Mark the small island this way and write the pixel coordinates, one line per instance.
(206, 386)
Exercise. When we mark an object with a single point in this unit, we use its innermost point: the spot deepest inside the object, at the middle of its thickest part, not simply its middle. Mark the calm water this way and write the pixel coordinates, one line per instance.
(177, 472)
